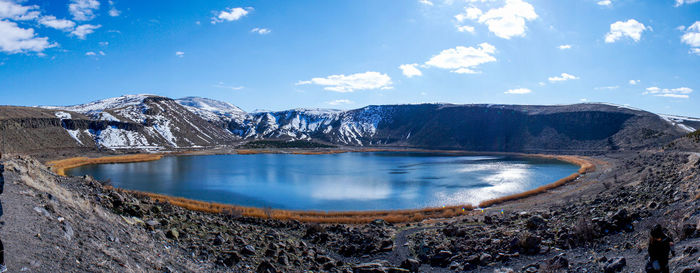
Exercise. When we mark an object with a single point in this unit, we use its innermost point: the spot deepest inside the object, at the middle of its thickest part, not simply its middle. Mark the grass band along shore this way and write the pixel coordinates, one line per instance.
(348, 217)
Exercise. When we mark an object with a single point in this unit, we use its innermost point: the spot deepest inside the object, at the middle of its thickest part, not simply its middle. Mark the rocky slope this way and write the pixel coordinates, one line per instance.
(598, 223)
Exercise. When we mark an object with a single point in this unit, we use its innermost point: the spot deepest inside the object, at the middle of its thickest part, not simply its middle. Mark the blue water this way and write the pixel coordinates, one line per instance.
(338, 182)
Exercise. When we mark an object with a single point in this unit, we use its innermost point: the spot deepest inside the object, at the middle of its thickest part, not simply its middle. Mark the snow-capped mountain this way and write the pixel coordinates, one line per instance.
(213, 110)
(140, 121)
(147, 121)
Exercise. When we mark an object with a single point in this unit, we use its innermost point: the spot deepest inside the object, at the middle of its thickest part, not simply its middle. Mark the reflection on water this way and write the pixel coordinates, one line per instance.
(349, 181)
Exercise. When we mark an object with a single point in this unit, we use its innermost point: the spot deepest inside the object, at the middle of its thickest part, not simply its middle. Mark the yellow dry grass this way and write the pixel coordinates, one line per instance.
(346, 217)
(60, 166)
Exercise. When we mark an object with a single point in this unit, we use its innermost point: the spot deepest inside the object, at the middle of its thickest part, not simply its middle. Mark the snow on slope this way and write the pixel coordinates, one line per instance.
(130, 108)
(679, 121)
(213, 110)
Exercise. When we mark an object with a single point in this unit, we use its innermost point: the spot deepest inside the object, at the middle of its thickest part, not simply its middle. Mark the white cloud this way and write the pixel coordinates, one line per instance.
(222, 85)
(613, 87)
(60, 24)
(410, 70)
(634, 82)
(505, 22)
(14, 39)
(113, 11)
(681, 2)
(11, 10)
(179, 54)
(90, 53)
(339, 102)
(463, 60)
(360, 81)
(83, 10)
(469, 29)
(605, 2)
(563, 77)
(518, 91)
(691, 37)
(82, 31)
(425, 2)
(679, 93)
(562, 47)
(261, 31)
(232, 14)
(630, 28)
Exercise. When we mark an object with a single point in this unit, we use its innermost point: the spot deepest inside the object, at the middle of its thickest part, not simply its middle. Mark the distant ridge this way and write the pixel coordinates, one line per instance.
(159, 123)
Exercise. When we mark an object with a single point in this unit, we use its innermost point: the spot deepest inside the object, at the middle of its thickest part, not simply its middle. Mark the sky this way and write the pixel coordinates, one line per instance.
(277, 55)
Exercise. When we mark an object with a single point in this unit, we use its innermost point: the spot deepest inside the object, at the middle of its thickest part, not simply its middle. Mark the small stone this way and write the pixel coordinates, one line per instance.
(172, 234)
(248, 250)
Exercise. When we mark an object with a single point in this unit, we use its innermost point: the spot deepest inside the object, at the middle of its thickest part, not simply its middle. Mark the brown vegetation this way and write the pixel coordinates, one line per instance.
(346, 217)
(60, 166)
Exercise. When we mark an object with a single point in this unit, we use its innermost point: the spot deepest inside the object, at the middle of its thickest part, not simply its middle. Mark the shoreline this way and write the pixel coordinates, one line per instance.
(347, 217)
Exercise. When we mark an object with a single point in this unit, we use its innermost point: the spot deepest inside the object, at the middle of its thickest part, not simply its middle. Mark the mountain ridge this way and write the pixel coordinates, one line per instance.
(150, 122)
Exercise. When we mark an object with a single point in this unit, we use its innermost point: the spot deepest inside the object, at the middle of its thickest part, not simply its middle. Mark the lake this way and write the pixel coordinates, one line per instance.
(335, 182)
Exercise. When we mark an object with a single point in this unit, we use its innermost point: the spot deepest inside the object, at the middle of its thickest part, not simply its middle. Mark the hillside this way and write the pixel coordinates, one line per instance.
(147, 122)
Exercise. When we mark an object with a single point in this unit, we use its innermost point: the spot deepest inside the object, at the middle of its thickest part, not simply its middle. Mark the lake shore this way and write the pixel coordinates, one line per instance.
(348, 217)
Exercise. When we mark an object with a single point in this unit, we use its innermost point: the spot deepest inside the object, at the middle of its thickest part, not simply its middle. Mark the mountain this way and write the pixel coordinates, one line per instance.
(141, 122)
(159, 123)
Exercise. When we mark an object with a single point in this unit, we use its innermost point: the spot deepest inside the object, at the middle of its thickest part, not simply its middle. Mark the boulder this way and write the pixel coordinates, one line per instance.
(615, 265)
(535, 222)
(441, 258)
(266, 267)
(411, 265)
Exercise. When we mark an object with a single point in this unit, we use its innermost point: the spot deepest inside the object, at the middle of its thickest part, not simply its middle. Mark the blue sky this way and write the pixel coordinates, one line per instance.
(347, 54)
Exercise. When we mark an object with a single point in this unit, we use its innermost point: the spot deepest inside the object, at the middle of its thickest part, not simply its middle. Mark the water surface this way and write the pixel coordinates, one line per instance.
(338, 182)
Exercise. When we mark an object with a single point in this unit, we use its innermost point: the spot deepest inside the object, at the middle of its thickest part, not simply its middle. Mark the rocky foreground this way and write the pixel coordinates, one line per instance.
(598, 223)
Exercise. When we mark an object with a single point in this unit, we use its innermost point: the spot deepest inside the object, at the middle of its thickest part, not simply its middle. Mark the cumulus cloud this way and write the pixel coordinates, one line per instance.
(691, 37)
(261, 31)
(563, 77)
(605, 2)
(630, 28)
(83, 10)
(505, 22)
(232, 14)
(679, 93)
(14, 39)
(339, 102)
(179, 54)
(60, 24)
(369, 80)
(634, 82)
(681, 2)
(82, 31)
(562, 47)
(14, 11)
(113, 11)
(425, 2)
(469, 29)
(410, 70)
(518, 91)
(463, 60)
